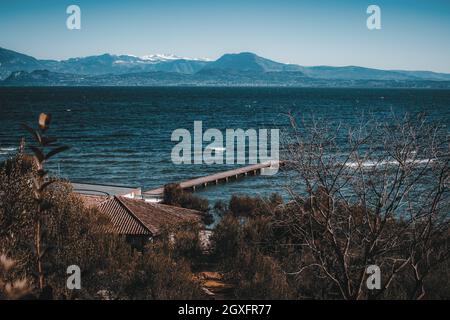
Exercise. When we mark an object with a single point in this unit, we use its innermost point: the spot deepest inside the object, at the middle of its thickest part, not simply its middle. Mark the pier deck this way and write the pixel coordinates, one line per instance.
(223, 176)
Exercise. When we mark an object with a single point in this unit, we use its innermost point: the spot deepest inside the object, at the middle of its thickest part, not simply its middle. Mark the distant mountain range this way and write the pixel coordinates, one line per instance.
(240, 69)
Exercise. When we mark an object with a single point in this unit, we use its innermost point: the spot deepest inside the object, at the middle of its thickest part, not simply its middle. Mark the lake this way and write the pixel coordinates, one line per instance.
(123, 135)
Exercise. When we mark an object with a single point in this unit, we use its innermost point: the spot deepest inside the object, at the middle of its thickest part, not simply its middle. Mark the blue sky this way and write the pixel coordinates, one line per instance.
(415, 34)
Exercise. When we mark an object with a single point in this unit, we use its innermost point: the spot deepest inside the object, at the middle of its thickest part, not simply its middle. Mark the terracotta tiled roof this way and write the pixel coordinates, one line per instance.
(92, 201)
(137, 217)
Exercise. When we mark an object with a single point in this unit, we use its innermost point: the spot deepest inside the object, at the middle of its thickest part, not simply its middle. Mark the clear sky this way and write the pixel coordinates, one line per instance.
(415, 34)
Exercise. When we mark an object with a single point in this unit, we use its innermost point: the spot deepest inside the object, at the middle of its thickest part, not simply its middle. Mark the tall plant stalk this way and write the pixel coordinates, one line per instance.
(44, 148)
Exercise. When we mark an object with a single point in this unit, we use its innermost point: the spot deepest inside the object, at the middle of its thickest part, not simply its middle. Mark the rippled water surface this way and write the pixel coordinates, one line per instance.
(123, 135)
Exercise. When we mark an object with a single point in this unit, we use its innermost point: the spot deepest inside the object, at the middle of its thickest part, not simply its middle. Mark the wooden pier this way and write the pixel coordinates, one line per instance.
(216, 178)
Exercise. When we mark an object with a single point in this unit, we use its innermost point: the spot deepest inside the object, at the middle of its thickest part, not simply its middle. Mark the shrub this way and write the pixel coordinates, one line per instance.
(289, 243)
(248, 206)
(10, 287)
(254, 275)
(259, 277)
(159, 276)
(151, 274)
(74, 235)
(175, 196)
(227, 239)
(181, 241)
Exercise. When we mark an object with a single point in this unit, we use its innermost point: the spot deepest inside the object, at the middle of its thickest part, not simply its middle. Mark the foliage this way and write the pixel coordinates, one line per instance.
(72, 234)
(182, 241)
(376, 194)
(75, 236)
(259, 277)
(11, 288)
(40, 182)
(175, 196)
(247, 206)
(254, 274)
(270, 246)
(227, 238)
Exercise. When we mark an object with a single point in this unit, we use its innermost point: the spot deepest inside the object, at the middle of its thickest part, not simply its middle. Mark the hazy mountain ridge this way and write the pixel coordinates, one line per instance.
(14, 61)
(244, 68)
(106, 63)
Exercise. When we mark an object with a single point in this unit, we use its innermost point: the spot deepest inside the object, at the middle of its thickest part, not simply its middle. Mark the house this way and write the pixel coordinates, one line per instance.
(133, 215)
(138, 220)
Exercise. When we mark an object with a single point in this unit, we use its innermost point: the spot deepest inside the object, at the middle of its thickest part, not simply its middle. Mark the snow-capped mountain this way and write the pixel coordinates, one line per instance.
(100, 64)
(160, 57)
(235, 68)
(168, 57)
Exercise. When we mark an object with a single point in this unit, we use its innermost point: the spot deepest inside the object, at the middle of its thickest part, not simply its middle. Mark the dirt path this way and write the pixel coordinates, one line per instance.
(213, 283)
(214, 286)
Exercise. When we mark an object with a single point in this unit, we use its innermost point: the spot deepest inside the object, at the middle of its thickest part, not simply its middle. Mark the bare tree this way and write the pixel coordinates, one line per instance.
(376, 194)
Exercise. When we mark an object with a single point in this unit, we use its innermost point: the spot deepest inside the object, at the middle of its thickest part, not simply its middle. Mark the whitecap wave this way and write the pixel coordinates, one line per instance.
(371, 164)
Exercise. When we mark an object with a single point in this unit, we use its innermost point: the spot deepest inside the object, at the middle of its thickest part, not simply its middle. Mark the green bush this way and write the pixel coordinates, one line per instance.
(175, 196)
(75, 235)
(248, 206)
(265, 253)
(259, 277)
(253, 274)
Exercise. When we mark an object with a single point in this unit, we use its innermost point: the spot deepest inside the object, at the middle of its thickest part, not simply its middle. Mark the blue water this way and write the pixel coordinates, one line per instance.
(122, 135)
